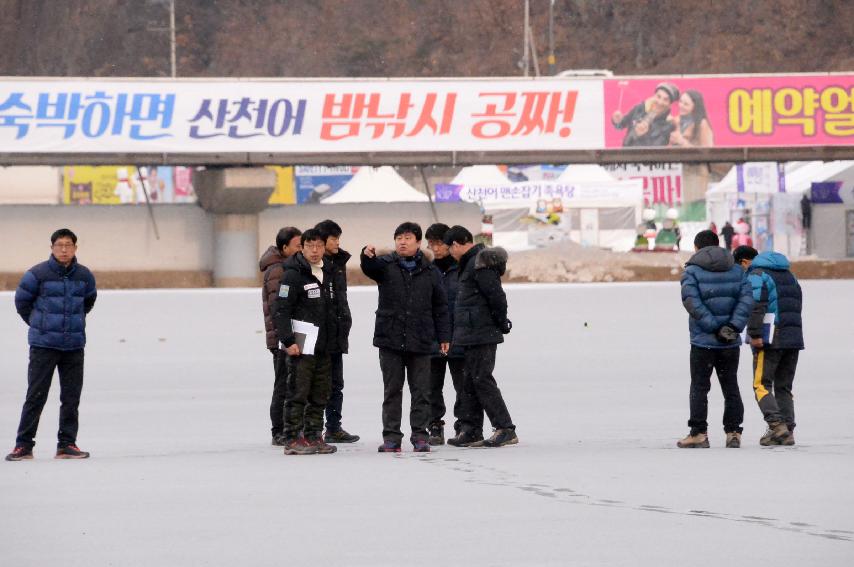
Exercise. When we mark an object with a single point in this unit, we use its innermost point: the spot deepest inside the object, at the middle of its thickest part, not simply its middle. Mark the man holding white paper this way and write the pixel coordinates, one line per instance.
(306, 327)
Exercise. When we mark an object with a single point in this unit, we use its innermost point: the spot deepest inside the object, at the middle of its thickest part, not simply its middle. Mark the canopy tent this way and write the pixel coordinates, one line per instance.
(585, 204)
(799, 176)
(774, 215)
(376, 185)
(586, 173)
(480, 175)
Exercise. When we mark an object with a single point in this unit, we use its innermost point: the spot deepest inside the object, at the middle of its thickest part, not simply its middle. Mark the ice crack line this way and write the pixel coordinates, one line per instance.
(491, 476)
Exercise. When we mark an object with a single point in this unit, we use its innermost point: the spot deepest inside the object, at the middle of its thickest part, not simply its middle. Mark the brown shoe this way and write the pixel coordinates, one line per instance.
(733, 440)
(71, 452)
(322, 448)
(299, 446)
(790, 440)
(777, 434)
(695, 441)
(20, 453)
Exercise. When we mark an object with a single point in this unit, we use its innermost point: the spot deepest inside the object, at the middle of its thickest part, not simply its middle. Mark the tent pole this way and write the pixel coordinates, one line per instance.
(148, 203)
(429, 194)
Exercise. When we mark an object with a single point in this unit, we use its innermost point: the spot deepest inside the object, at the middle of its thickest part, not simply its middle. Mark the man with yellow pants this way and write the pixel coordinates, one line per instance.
(776, 336)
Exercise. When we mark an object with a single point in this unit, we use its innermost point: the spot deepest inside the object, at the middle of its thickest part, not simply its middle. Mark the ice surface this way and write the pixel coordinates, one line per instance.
(175, 412)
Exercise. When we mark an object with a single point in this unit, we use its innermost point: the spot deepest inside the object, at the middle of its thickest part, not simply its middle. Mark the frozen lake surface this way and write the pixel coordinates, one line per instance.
(175, 413)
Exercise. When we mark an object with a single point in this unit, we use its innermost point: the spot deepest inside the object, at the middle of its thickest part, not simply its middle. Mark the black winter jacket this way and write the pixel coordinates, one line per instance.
(342, 304)
(450, 270)
(481, 307)
(412, 310)
(304, 298)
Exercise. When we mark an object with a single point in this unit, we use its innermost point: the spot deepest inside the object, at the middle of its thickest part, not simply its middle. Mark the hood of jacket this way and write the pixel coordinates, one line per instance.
(340, 259)
(271, 256)
(495, 258)
(712, 258)
(771, 261)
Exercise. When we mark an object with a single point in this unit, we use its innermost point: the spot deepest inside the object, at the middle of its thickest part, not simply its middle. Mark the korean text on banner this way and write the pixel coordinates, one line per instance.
(299, 116)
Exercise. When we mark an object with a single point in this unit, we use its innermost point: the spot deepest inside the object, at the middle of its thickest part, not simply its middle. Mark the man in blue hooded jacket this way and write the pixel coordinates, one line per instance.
(776, 336)
(718, 299)
(53, 298)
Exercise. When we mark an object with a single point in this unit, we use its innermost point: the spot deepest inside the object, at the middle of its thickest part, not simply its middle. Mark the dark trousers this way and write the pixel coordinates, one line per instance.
(43, 362)
(280, 384)
(438, 365)
(306, 395)
(397, 367)
(773, 375)
(336, 395)
(724, 361)
(480, 392)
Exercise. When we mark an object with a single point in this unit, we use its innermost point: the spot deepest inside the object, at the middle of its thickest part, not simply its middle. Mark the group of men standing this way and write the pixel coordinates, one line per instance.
(724, 293)
(448, 312)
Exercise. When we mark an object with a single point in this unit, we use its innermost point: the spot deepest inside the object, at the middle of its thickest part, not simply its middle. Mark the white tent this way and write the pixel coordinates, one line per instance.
(376, 185)
(799, 177)
(585, 173)
(774, 216)
(480, 175)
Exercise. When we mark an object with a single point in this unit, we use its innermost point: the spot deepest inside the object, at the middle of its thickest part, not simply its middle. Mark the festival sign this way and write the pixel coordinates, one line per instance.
(122, 185)
(662, 182)
(740, 111)
(96, 116)
(525, 193)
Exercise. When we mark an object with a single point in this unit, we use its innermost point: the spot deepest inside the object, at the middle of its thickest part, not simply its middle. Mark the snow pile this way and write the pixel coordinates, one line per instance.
(568, 261)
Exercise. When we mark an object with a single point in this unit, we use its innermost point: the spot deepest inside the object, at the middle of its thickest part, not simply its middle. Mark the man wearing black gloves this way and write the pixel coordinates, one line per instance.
(480, 323)
(718, 299)
(339, 258)
(412, 315)
(307, 297)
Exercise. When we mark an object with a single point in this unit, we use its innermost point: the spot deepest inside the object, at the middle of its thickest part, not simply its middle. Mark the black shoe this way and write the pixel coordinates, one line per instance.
(339, 436)
(20, 453)
(421, 446)
(437, 434)
(501, 437)
(464, 439)
(389, 447)
(71, 452)
(278, 440)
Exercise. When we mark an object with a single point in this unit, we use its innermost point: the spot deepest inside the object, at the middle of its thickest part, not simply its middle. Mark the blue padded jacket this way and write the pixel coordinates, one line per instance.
(777, 291)
(54, 300)
(715, 292)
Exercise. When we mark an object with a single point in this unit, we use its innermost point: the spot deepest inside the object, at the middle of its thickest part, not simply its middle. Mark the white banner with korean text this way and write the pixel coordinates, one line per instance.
(202, 116)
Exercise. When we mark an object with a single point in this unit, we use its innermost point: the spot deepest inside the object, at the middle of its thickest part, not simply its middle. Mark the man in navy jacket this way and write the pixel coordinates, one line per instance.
(718, 299)
(53, 298)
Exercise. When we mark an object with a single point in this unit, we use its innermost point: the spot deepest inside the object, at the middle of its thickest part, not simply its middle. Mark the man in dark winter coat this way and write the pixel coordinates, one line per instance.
(775, 331)
(718, 300)
(53, 298)
(453, 360)
(480, 323)
(728, 232)
(339, 258)
(307, 297)
(412, 315)
(272, 267)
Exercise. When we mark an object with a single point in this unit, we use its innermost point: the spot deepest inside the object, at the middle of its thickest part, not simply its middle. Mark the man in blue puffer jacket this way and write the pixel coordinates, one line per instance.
(53, 298)
(718, 299)
(776, 336)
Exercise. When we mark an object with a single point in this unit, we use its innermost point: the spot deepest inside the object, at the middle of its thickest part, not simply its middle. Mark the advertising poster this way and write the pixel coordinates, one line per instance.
(122, 185)
(314, 183)
(741, 111)
(662, 182)
(285, 191)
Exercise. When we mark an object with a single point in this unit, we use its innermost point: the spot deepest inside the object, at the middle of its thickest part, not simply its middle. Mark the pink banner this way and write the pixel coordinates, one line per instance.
(802, 110)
